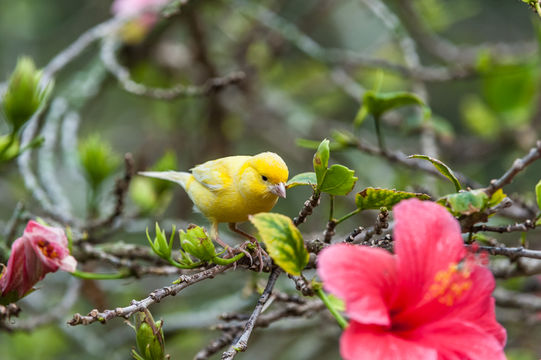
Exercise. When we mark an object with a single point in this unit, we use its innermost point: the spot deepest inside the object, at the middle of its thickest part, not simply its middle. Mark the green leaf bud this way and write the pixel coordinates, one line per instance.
(24, 94)
(195, 241)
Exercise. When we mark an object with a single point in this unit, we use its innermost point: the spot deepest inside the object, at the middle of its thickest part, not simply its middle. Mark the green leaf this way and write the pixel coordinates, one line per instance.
(338, 180)
(538, 194)
(283, 241)
(306, 178)
(376, 104)
(442, 168)
(321, 160)
(496, 198)
(467, 202)
(374, 198)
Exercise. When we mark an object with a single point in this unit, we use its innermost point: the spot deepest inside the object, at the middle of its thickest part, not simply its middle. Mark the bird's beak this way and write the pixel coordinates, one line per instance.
(279, 190)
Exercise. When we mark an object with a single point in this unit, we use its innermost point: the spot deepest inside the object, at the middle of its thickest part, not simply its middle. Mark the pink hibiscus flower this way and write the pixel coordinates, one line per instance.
(431, 300)
(41, 250)
(146, 9)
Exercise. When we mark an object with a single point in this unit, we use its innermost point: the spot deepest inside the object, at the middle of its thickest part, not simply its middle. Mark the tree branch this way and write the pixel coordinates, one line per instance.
(156, 296)
(241, 343)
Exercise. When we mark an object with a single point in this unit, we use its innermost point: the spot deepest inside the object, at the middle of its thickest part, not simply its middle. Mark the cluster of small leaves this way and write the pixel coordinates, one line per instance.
(334, 180)
(194, 242)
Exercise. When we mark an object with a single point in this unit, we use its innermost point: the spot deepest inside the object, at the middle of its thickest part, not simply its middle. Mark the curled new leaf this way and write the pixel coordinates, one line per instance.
(321, 160)
(442, 168)
(283, 241)
(374, 198)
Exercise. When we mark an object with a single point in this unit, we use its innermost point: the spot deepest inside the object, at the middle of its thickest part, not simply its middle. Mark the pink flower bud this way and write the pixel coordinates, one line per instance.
(41, 250)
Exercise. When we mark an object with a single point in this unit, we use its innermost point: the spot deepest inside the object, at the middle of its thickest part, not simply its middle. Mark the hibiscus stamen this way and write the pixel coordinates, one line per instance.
(450, 284)
(47, 249)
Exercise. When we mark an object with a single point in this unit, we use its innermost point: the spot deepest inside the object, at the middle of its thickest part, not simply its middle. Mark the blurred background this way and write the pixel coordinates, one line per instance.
(306, 66)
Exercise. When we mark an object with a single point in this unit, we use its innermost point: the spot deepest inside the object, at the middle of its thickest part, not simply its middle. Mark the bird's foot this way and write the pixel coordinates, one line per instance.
(260, 252)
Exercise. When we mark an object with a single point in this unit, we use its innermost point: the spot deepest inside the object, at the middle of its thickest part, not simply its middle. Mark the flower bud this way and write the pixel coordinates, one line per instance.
(149, 336)
(196, 242)
(98, 159)
(41, 250)
(24, 94)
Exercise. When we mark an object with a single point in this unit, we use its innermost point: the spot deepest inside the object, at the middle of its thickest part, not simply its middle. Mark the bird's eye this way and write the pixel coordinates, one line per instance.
(264, 178)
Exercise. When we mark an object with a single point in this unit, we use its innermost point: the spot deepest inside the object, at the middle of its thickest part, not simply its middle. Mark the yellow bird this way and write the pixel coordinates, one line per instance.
(229, 189)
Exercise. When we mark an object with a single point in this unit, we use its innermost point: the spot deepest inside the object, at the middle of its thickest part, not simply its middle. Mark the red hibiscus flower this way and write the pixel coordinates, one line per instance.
(431, 300)
(41, 250)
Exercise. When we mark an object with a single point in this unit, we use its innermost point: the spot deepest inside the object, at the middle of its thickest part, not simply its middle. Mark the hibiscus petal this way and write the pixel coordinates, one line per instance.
(427, 240)
(477, 305)
(456, 340)
(373, 342)
(68, 264)
(36, 230)
(363, 277)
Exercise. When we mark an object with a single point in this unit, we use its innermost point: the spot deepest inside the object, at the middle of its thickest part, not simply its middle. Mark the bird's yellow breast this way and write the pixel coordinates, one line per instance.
(228, 190)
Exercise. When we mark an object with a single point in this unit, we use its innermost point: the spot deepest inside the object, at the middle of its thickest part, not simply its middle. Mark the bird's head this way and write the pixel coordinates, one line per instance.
(268, 173)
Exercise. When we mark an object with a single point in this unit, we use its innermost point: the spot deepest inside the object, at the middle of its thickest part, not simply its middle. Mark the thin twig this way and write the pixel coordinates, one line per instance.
(109, 58)
(121, 189)
(241, 343)
(155, 296)
(518, 165)
(511, 252)
(524, 226)
(217, 344)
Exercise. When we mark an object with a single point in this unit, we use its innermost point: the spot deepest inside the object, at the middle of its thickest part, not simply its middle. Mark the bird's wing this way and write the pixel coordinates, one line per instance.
(214, 175)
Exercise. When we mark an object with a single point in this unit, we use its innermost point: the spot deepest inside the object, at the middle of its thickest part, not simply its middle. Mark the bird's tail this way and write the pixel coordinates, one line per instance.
(175, 176)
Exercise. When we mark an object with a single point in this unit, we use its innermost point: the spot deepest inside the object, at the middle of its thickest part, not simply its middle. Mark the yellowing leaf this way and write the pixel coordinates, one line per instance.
(374, 198)
(496, 198)
(283, 241)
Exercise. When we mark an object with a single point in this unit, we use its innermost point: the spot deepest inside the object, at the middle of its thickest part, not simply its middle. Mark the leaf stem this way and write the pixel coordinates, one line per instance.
(221, 261)
(94, 276)
(331, 208)
(339, 318)
(347, 216)
(381, 143)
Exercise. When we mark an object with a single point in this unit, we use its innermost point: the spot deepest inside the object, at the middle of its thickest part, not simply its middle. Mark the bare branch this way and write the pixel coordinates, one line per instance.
(512, 252)
(307, 208)
(109, 49)
(241, 343)
(156, 296)
(518, 165)
(121, 189)
(217, 344)
(524, 226)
